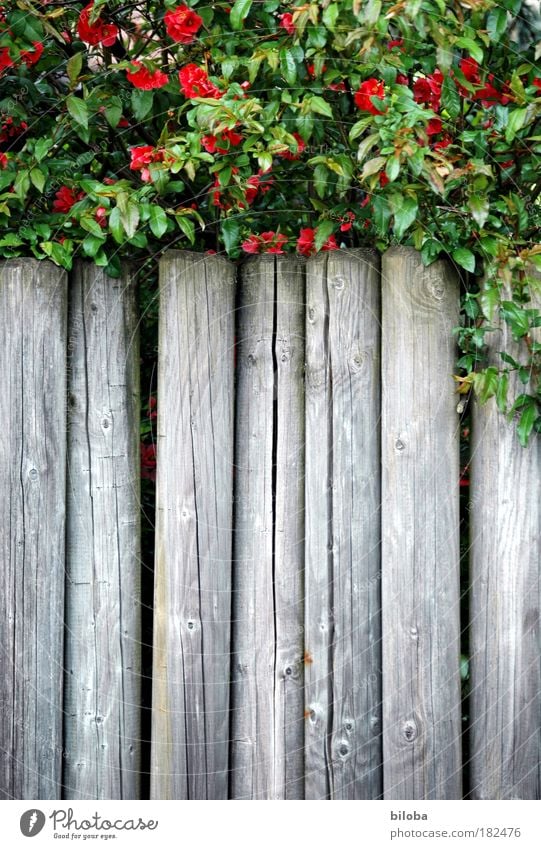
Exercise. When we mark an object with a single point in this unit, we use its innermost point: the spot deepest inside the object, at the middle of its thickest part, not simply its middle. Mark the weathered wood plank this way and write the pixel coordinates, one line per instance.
(289, 530)
(420, 530)
(342, 608)
(268, 697)
(505, 516)
(102, 698)
(192, 611)
(254, 632)
(33, 308)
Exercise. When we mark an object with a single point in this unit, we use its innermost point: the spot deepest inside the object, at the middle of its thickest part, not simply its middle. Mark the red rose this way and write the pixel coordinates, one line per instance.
(251, 245)
(182, 24)
(97, 33)
(286, 22)
(146, 80)
(367, 90)
(288, 154)
(5, 59)
(65, 199)
(3, 160)
(347, 222)
(470, 69)
(383, 180)
(142, 157)
(434, 127)
(101, 216)
(194, 82)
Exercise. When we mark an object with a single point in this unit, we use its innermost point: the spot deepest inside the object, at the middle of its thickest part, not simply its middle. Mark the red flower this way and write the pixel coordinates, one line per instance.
(194, 82)
(266, 243)
(12, 131)
(401, 79)
(182, 24)
(428, 89)
(347, 222)
(146, 80)
(210, 142)
(286, 22)
(470, 69)
(442, 143)
(341, 86)
(288, 154)
(367, 90)
(253, 188)
(395, 42)
(97, 33)
(434, 127)
(3, 160)
(65, 199)
(5, 59)
(306, 242)
(31, 57)
(101, 216)
(383, 180)
(142, 157)
(537, 82)
(311, 68)
(148, 461)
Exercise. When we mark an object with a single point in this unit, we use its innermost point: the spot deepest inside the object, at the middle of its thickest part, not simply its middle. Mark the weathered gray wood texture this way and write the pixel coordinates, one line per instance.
(33, 307)
(420, 530)
(103, 669)
(342, 606)
(267, 675)
(192, 611)
(505, 575)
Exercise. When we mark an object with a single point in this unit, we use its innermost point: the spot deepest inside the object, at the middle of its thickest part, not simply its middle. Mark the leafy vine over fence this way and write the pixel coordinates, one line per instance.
(128, 127)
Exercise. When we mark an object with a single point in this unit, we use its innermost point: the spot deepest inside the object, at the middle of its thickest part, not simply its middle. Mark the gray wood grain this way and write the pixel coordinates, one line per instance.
(254, 628)
(33, 308)
(192, 610)
(505, 567)
(289, 530)
(268, 612)
(102, 687)
(420, 530)
(342, 607)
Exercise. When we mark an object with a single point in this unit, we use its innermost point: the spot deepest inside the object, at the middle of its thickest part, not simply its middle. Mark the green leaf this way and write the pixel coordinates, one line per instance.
(130, 218)
(320, 106)
(113, 111)
(501, 392)
(78, 110)
(239, 12)
(404, 216)
(526, 422)
(515, 122)
(288, 66)
(392, 169)
(488, 300)
(381, 214)
(516, 318)
(450, 99)
(115, 226)
(73, 67)
(91, 226)
(465, 258)
(230, 231)
(496, 23)
(479, 208)
(141, 102)
(485, 383)
(472, 47)
(42, 148)
(320, 180)
(323, 231)
(38, 179)
(330, 16)
(158, 221)
(187, 226)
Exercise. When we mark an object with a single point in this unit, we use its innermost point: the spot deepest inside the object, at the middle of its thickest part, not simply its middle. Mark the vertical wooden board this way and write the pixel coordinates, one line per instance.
(254, 627)
(420, 530)
(505, 565)
(192, 611)
(289, 352)
(102, 686)
(33, 307)
(343, 690)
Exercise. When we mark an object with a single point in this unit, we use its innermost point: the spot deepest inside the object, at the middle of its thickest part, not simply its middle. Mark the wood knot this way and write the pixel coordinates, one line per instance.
(339, 283)
(409, 730)
(311, 314)
(400, 445)
(33, 474)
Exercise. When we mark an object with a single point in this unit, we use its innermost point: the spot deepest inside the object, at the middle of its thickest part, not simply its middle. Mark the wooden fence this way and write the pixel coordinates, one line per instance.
(307, 622)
